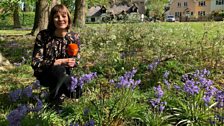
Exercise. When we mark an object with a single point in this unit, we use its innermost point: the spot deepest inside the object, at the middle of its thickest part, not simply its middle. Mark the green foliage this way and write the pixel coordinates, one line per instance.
(26, 19)
(155, 8)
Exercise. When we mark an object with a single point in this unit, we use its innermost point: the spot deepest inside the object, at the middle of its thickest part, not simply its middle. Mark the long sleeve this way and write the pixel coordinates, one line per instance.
(39, 59)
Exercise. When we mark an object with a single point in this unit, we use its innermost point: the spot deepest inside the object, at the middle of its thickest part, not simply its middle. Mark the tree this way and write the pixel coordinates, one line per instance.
(12, 7)
(155, 8)
(79, 14)
(41, 15)
(16, 21)
(80, 10)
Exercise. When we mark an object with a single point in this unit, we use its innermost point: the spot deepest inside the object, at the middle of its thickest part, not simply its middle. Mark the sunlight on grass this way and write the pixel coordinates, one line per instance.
(14, 32)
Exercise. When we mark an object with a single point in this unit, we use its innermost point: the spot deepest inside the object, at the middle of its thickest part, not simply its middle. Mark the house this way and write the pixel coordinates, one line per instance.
(198, 9)
(119, 12)
(94, 13)
(217, 5)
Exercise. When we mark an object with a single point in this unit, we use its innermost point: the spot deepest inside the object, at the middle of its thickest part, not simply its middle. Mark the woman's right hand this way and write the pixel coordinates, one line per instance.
(68, 62)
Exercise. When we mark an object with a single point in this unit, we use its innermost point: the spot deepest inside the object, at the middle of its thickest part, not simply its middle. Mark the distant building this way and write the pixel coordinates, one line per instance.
(118, 12)
(194, 8)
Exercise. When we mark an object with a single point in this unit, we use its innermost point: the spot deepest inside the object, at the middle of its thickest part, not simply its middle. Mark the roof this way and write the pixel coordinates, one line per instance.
(118, 9)
(94, 11)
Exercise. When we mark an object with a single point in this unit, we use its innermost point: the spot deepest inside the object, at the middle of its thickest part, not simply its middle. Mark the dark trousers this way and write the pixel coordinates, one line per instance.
(58, 79)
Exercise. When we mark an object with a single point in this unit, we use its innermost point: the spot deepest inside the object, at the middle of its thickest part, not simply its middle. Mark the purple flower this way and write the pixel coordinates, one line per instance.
(158, 92)
(177, 87)
(111, 81)
(166, 82)
(166, 74)
(73, 124)
(204, 72)
(130, 74)
(207, 99)
(126, 80)
(190, 87)
(39, 105)
(86, 78)
(219, 98)
(155, 102)
(90, 123)
(16, 115)
(28, 91)
(74, 83)
(162, 106)
(135, 83)
(153, 65)
(15, 95)
(36, 84)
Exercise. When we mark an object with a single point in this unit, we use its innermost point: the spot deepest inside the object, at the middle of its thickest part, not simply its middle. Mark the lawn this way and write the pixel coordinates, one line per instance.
(148, 74)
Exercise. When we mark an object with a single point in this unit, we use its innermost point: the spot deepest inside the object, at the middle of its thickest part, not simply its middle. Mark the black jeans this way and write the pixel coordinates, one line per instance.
(58, 79)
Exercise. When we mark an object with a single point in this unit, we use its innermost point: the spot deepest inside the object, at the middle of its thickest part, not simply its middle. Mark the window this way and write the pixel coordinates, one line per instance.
(178, 4)
(201, 13)
(219, 2)
(185, 4)
(201, 3)
(177, 14)
(192, 13)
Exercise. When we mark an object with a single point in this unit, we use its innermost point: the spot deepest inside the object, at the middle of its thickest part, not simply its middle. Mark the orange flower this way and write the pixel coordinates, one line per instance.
(72, 49)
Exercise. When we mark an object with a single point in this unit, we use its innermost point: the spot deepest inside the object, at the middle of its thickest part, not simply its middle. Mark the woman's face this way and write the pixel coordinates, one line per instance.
(61, 20)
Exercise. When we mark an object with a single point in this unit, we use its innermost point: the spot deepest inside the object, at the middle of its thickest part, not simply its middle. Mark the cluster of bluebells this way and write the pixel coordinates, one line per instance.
(80, 81)
(20, 93)
(219, 98)
(126, 80)
(16, 115)
(157, 103)
(197, 81)
(26, 92)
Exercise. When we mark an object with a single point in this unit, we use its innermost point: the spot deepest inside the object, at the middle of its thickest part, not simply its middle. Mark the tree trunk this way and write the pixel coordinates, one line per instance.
(79, 15)
(16, 20)
(41, 16)
(53, 3)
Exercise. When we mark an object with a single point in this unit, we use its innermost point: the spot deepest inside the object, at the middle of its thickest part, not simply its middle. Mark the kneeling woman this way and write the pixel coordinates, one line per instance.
(51, 61)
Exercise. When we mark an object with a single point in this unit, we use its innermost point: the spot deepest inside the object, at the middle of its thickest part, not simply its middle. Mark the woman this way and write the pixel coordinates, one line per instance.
(50, 61)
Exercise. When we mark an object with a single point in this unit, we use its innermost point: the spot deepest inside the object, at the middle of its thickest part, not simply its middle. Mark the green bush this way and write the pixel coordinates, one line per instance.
(26, 19)
(6, 20)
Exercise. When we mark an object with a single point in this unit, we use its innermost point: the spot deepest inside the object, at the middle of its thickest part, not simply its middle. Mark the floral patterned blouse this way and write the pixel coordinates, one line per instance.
(48, 48)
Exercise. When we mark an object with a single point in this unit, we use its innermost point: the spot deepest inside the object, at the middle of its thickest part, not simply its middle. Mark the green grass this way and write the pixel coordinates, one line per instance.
(182, 48)
(14, 32)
